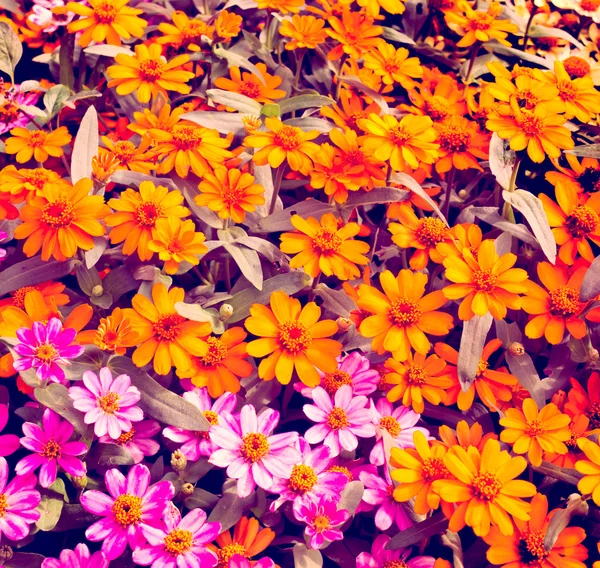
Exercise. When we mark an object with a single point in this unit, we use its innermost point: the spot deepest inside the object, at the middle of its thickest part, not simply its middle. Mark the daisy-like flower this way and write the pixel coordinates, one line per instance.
(355, 33)
(332, 175)
(536, 432)
(379, 493)
(10, 101)
(464, 436)
(230, 194)
(163, 335)
(46, 348)
(132, 504)
(304, 31)
(138, 441)
(52, 294)
(339, 420)
(109, 404)
(227, 25)
(293, 338)
(350, 108)
(402, 314)
(194, 445)
(148, 73)
(461, 143)
(127, 155)
(27, 182)
(114, 333)
(407, 144)
(52, 449)
(80, 557)
(584, 176)
(105, 20)
(485, 489)
(394, 65)
(589, 484)
(248, 540)
(585, 401)
(9, 443)
(37, 144)
(184, 33)
(380, 557)
(181, 542)
(283, 143)
(264, 91)
(487, 283)
(251, 453)
(323, 519)
(61, 220)
(324, 246)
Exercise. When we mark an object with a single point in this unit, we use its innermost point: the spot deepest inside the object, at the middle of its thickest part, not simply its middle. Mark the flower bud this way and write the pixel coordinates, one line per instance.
(463, 194)
(559, 398)
(79, 482)
(593, 355)
(6, 554)
(187, 489)
(516, 349)
(225, 312)
(97, 290)
(343, 324)
(178, 460)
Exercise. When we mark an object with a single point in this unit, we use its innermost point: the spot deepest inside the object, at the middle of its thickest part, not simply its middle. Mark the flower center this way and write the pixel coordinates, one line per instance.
(232, 195)
(391, 425)
(105, 12)
(581, 221)
(530, 124)
(228, 551)
(255, 446)
(126, 437)
(531, 547)
(590, 5)
(331, 382)
(337, 419)
(486, 485)
(322, 523)
(434, 468)
(589, 179)
(430, 231)
(148, 212)
(37, 138)
(484, 280)
(151, 70)
(249, 89)
(127, 509)
(303, 478)
(535, 428)
(527, 99)
(18, 297)
(46, 352)
(193, 30)
(178, 541)
(326, 241)
(399, 136)
(395, 564)
(342, 469)
(593, 413)
(416, 375)
(109, 403)
(217, 351)
(355, 158)
(480, 21)
(566, 90)
(186, 137)
(9, 111)
(168, 327)
(564, 301)
(436, 108)
(51, 450)
(454, 138)
(288, 137)
(37, 178)
(211, 417)
(405, 312)
(125, 151)
(481, 368)
(58, 214)
(3, 504)
(294, 337)
(576, 67)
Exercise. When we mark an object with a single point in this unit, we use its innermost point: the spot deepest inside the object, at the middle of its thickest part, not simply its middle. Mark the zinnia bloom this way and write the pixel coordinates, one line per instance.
(461, 143)
(323, 519)
(138, 442)
(464, 435)
(394, 65)
(305, 31)
(355, 33)
(38, 144)
(248, 540)
(264, 91)
(184, 33)
(9, 443)
(379, 493)
(78, 558)
(585, 401)
(380, 557)
(114, 333)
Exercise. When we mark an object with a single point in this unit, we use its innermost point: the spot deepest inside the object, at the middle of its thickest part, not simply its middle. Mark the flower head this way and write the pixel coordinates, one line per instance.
(80, 557)
(323, 519)
(304, 31)
(394, 65)
(380, 557)
(480, 26)
(139, 441)
(355, 33)
(37, 144)
(114, 333)
(248, 540)
(184, 32)
(262, 89)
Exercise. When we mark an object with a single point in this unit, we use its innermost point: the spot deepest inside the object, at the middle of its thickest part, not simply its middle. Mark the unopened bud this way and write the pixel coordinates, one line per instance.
(97, 290)
(516, 349)
(463, 194)
(225, 312)
(79, 482)
(593, 355)
(559, 398)
(187, 489)
(178, 460)
(343, 324)
(6, 553)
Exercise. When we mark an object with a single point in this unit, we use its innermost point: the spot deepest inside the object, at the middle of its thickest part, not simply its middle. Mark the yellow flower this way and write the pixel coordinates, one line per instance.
(186, 33)
(262, 89)
(305, 31)
(176, 241)
(108, 20)
(461, 143)
(373, 7)
(331, 174)
(282, 6)
(527, 91)
(24, 182)
(394, 65)
(325, 247)
(38, 144)
(149, 73)
(128, 155)
(589, 484)
(227, 25)
(163, 120)
(355, 32)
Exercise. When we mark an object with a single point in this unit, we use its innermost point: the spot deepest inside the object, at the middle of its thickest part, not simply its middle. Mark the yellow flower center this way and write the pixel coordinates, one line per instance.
(484, 280)
(581, 221)
(151, 70)
(527, 99)
(589, 179)
(391, 425)
(564, 301)
(127, 509)
(405, 312)
(481, 368)
(322, 523)
(228, 551)
(109, 403)
(126, 437)
(294, 337)
(148, 212)
(355, 157)
(303, 478)
(416, 375)
(58, 214)
(480, 21)
(250, 89)
(37, 178)
(46, 352)
(486, 485)
(186, 137)
(337, 419)
(566, 90)
(9, 111)
(105, 12)
(288, 137)
(576, 67)
(51, 450)
(530, 124)
(18, 297)
(178, 541)
(193, 30)
(124, 150)
(3, 504)
(395, 564)
(535, 428)
(331, 382)
(430, 231)
(531, 548)
(454, 138)
(399, 136)
(255, 446)
(433, 469)
(217, 351)
(436, 108)
(211, 417)
(168, 327)
(590, 5)
(342, 469)
(37, 138)
(326, 242)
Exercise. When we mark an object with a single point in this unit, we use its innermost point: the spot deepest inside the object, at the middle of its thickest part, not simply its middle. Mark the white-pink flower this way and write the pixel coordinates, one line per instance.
(340, 420)
(109, 404)
(250, 452)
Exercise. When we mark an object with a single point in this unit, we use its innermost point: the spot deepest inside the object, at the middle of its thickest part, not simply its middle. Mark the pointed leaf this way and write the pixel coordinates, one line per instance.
(85, 146)
(11, 50)
(472, 342)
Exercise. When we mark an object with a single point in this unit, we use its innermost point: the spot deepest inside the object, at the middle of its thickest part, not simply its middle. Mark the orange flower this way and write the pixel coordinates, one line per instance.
(114, 334)
(305, 31)
(264, 91)
(355, 33)
(348, 111)
(128, 155)
(439, 101)
(578, 428)
(461, 143)
(184, 33)
(331, 174)
(465, 436)
(248, 540)
(37, 144)
(589, 484)
(586, 402)
(394, 65)
(583, 176)
(52, 293)
(227, 25)
(24, 182)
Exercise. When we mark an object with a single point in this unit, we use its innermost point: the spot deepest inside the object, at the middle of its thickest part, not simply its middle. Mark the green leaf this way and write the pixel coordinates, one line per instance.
(201, 499)
(351, 497)
(230, 508)
(11, 50)
(104, 455)
(310, 123)
(25, 560)
(34, 271)
(502, 160)
(271, 110)
(55, 99)
(108, 50)
(9, 6)
(304, 101)
(196, 312)
(50, 509)
(236, 60)
(414, 186)
(280, 221)
(336, 301)
(222, 122)
(247, 261)
(74, 517)
(571, 476)
(65, 58)
(585, 151)
(562, 518)
(119, 281)
(413, 535)
(305, 558)
(590, 287)
(56, 397)
(237, 101)
(377, 195)
(394, 35)
(471, 347)
(85, 146)
(543, 31)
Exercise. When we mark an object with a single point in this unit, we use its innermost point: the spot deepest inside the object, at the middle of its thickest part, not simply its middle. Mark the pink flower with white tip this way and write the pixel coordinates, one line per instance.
(322, 519)
(340, 420)
(78, 558)
(382, 558)
(137, 441)
(251, 453)
(109, 404)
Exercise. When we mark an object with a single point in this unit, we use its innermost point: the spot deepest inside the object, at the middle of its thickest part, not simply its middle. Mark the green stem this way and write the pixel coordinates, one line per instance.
(276, 185)
(474, 52)
(338, 86)
(526, 35)
(449, 185)
(299, 60)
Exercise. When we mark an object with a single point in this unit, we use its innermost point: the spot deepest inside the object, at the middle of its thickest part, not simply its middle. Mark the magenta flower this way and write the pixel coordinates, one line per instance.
(109, 404)
(379, 494)
(354, 370)
(309, 479)
(132, 504)
(180, 543)
(3, 235)
(15, 96)
(238, 561)
(78, 558)
(322, 519)
(340, 421)
(137, 441)
(198, 444)
(398, 423)
(18, 503)
(52, 449)
(9, 443)
(45, 348)
(250, 453)
(380, 557)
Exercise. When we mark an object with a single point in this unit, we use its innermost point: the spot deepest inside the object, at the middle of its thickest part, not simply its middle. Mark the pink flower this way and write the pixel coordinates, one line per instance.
(354, 370)
(181, 543)
(238, 561)
(18, 503)
(46, 347)
(322, 519)
(198, 444)
(132, 504)
(309, 478)
(380, 557)
(14, 95)
(109, 404)
(340, 420)
(3, 235)
(398, 423)
(78, 558)
(137, 441)
(52, 449)
(250, 453)
(9, 443)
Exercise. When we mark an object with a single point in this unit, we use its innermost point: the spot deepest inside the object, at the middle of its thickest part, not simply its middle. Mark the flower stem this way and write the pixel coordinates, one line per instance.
(474, 52)
(529, 22)
(276, 186)
(449, 185)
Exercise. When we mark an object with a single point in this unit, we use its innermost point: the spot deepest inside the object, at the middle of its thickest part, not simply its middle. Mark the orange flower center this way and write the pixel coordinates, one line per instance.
(434, 468)
(127, 509)
(288, 137)
(481, 368)
(18, 297)
(193, 29)
(576, 67)
(124, 151)
(126, 437)
(405, 312)
(151, 70)
(581, 221)
(3, 504)
(355, 158)
(175, 246)
(37, 178)
(105, 12)
(566, 90)
(535, 428)
(430, 231)
(436, 108)
(486, 485)
(416, 376)
(391, 425)
(337, 419)
(593, 413)
(58, 214)
(564, 301)
(294, 337)
(37, 138)
(228, 551)
(527, 99)
(399, 136)
(342, 469)
(232, 195)
(249, 89)
(590, 5)
(484, 280)
(322, 523)
(454, 138)
(531, 547)
(147, 213)
(211, 417)
(331, 382)
(168, 327)
(326, 242)
(572, 441)
(303, 478)
(589, 179)
(395, 564)
(178, 541)
(9, 111)
(480, 21)
(46, 352)
(530, 124)
(255, 446)
(51, 450)
(109, 403)
(186, 137)
(217, 351)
